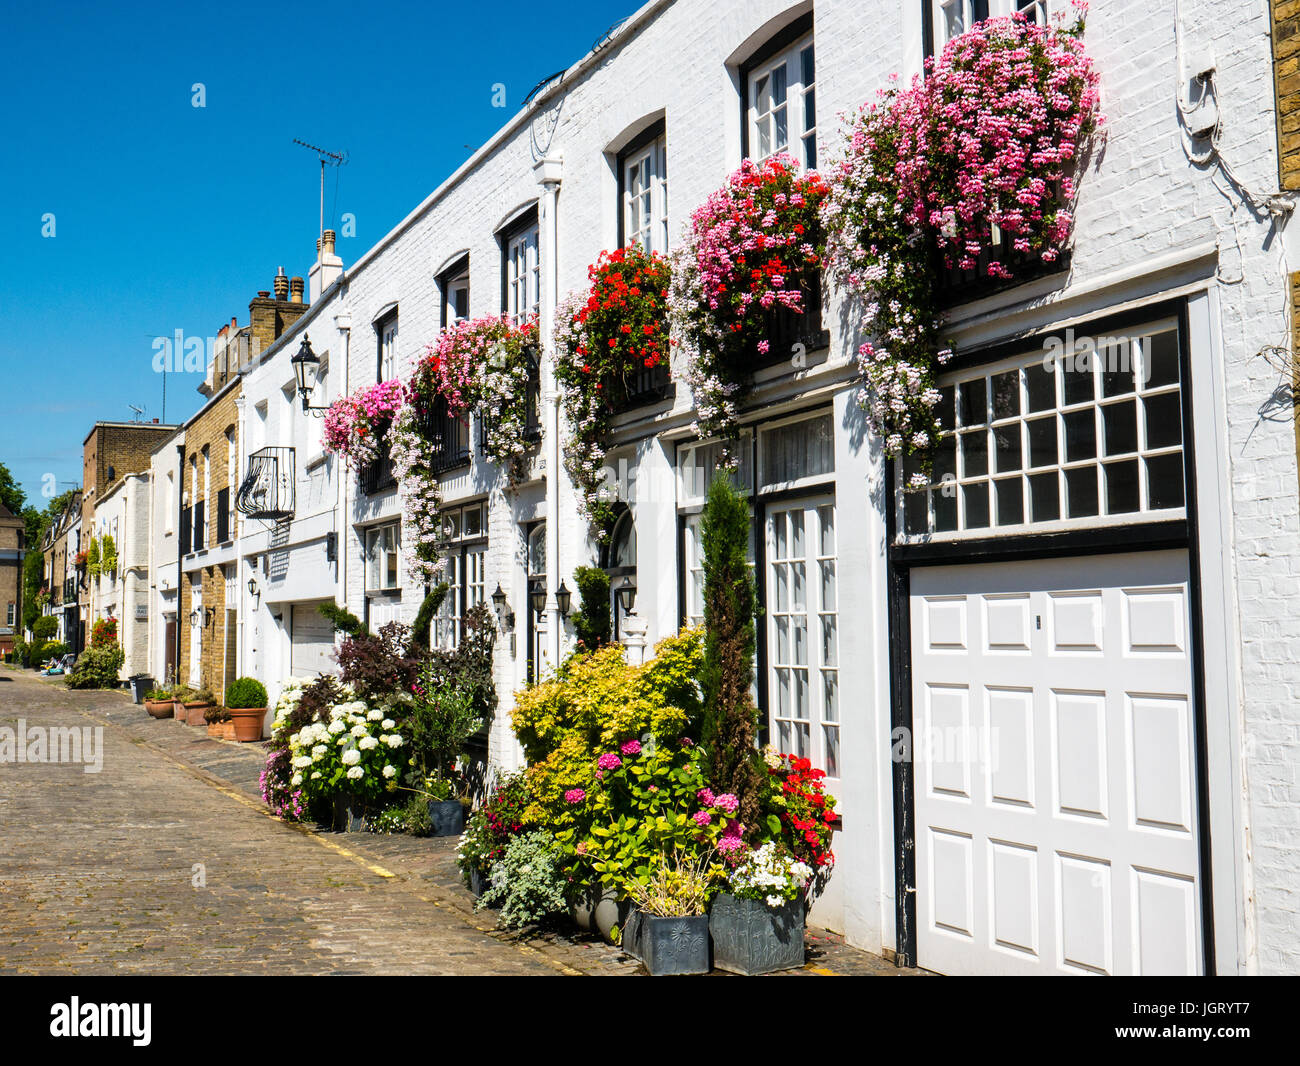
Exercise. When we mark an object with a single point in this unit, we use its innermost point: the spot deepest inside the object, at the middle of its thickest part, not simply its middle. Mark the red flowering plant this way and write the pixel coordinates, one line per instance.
(755, 247)
(493, 826)
(801, 815)
(103, 634)
(603, 338)
(356, 426)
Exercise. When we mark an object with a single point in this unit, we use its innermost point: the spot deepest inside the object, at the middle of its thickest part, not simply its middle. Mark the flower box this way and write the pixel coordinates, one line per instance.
(349, 815)
(751, 938)
(668, 946)
(447, 818)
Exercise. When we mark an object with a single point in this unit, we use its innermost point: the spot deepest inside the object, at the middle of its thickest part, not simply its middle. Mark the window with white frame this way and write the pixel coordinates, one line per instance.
(952, 18)
(781, 100)
(169, 504)
(696, 466)
(10, 615)
(382, 544)
(464, 551)
(643, 176)
(455, 293)
(386, 335)
(523, 274)
(1061, 438)
(796, 452)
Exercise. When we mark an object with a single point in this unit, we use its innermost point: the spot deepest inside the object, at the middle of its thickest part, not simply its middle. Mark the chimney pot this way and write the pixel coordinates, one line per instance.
(263, 293)
(328, 239)
(295, 289)
(281, 285)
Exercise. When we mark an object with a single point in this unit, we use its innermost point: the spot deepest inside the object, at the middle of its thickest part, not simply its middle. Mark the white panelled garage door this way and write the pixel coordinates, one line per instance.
(311, 642)
(1054, 767)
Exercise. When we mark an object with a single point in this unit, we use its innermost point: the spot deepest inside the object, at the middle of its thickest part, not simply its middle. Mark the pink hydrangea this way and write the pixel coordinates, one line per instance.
(609, 761)
(726, 802)
(705, 796)
(730, 845)
(631, 747)
(703, 818)
(575, 795)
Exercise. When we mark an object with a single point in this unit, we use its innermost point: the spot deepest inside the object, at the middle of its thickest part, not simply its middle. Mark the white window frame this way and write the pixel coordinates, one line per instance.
(387, 367)
(645, 196)
(1141, 455)
(454, 285)
(466, 560)
(377, 569)
(523, 274)
(760, 107)
(951, 18)
(821, 477)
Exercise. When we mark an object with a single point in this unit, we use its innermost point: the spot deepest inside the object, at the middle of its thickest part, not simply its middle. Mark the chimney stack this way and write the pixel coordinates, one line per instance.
(281, 285)
(295, 289)
(328, 267)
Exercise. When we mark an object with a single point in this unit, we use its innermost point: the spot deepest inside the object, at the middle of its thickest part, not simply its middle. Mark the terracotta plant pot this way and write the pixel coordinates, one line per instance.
(248, 723)
(228, 730)
(160, 708)
(214, 730)
(195, 712)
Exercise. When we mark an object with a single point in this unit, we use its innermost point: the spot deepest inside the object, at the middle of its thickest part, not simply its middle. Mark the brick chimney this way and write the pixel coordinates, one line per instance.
(269, 316)
(328, 267)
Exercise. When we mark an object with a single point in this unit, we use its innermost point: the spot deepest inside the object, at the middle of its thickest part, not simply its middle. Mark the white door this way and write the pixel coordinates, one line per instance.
(311, 642)
(196, 631)
(1054, 764)
(802, 633)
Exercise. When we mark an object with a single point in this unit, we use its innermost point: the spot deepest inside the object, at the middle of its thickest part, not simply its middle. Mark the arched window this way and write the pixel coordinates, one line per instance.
(536, 567)
(620, 563)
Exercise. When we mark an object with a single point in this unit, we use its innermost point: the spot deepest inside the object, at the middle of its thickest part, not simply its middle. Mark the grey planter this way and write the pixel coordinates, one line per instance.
(478, 882)
(349, 815)
(749, 937)
(668, 946)
(448, 818)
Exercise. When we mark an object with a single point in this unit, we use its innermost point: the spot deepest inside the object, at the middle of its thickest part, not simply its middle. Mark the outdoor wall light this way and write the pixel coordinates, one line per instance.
(626, 595)
(562, 598)
(506, 618)
(306, 365)
(254, 592)
(537, 597)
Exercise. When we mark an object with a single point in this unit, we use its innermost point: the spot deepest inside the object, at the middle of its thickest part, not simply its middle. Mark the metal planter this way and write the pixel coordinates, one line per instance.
(749, 937)
(349, 815)
(447, 818)
(668, 946)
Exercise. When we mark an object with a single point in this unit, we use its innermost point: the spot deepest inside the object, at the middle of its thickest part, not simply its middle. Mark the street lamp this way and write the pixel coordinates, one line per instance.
(306, 365)
(626, 595)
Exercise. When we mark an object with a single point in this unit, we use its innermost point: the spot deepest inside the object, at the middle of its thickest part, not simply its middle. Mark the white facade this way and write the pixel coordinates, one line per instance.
(164, 484)
(123, 593)
(1162, 249)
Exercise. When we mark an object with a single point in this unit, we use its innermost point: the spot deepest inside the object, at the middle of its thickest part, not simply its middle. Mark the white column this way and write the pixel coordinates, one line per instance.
(547, 171)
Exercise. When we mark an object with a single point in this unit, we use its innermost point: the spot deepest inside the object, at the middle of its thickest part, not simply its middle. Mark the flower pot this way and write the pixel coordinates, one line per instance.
(478, 882)
(194, 713)
(749, 937)
(669, 945)
(349, 815)
(214, 730)
(246, 723)
(228, 730)
(582, 911)
(448, 818)
(160, 708)
(609, 911)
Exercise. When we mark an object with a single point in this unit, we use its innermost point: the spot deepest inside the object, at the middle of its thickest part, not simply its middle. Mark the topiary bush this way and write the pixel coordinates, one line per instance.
(44, 628)
(97, 667)
(591, 622)
(245, 692)
(343, 620)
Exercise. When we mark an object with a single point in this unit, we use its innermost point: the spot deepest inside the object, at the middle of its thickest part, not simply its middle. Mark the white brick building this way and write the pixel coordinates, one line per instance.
(1132, 650)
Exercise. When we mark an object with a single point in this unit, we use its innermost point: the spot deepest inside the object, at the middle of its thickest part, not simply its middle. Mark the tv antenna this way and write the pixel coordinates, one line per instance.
(333, 159)
(139, 412)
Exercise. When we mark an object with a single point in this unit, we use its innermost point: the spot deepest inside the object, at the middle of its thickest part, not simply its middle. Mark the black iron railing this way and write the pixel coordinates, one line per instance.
(378, 476)
(787, 331)
(267, 490)
(447, 435)
(648, 385)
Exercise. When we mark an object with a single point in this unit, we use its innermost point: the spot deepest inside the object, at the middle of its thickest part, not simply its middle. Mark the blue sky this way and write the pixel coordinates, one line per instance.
(168, 216)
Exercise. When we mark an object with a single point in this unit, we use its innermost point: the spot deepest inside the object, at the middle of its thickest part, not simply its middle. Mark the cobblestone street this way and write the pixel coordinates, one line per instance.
(166, 862)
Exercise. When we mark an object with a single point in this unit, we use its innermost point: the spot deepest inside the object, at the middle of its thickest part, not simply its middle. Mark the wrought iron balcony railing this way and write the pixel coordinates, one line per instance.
(267, 490)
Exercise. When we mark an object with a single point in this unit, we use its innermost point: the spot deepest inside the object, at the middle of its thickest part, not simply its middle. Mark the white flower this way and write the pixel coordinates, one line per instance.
(351, 757)
(319, 750)
(315, 775)
(359, 730)
(390, 771)
(337, 726)
(388, 724)
(356, 773)
(302, 761)
(374, 715)
(296, 780)
(393, 741)
(366, 743)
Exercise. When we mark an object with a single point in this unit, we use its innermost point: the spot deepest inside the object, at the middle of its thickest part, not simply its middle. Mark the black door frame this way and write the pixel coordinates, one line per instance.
(1148, 536)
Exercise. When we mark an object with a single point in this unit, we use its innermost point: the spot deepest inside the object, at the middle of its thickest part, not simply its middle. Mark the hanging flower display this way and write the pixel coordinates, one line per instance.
(487, 364)
(356, 425)
(603, 338)
(754, 247)
(987, 139)
(412, 456)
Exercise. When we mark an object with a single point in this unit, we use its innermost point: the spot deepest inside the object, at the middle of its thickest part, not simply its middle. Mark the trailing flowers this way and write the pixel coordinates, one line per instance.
(356, 425)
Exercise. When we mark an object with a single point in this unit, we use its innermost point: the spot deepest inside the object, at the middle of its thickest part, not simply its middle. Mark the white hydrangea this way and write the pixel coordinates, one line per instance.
(351, 757)
(388, 724)
(390, 771)
(367, 743)
(356, 773)
(374, 715)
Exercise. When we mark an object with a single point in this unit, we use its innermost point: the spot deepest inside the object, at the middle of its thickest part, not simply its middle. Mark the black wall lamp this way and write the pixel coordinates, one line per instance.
(562, 599)
(537, 597)
(626, 595)
(306, 365)
(506, 618)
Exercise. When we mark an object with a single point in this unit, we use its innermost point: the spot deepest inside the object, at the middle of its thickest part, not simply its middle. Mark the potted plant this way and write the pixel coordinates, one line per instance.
(490, 829)
(442, 718)
(220, 724)
(197, 706)
(158, 702)
(181, 694)
(246, 706)
(757, 925)
(669, 929)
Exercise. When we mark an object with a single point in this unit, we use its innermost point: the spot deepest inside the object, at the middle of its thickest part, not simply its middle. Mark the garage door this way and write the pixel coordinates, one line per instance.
(312, 640)
(1054, 767)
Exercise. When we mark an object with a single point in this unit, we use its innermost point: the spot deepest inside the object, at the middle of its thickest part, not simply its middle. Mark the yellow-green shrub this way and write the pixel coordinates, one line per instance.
(593, 705)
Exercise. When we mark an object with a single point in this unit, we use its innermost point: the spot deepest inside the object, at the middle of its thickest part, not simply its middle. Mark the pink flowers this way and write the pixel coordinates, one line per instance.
(355, 426)
(631, 747)
(702, 818)
(726, 802)
(705, 796)
(575, 796)
(609, 761)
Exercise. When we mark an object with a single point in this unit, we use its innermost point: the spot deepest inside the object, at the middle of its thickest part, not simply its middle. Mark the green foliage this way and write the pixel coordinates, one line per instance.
(470, 665)
(158, 695)
(440, 720)
(411, 818)
(730, 717)
(245, 692)
(424, 617)
(591, 622)
(107, 555)
(343, 620)
(97, 667)
(44, 628)
(493, 826)
(51, 649)
(11, 493)
(33, 577)
(596, 703)
(93, 558)
(526, 883)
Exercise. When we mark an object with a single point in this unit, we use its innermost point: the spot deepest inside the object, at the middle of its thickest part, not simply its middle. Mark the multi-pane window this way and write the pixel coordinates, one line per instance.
(464, 549)
(781, 98)
(645, 196)
(386, 332)
(523, 274)
(952, 18)
(381, 552)
(455, 294)
(1090, 435)
(803, 631)
(10, 616)
(696, 467)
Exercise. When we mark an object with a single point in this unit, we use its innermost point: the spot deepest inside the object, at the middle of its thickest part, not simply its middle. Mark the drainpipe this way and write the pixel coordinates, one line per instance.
(180, 510)
(342, 503)
(547, 171)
